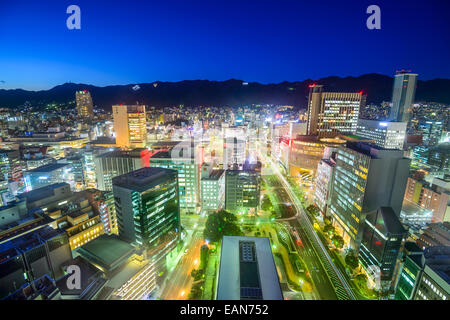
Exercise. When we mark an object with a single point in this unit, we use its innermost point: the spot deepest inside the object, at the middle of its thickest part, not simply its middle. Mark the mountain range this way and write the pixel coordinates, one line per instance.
(224, 93)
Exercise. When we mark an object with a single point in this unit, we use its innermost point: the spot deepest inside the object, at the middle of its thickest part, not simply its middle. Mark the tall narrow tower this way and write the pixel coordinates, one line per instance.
(84, 104)
(130, 126)
(403, 96)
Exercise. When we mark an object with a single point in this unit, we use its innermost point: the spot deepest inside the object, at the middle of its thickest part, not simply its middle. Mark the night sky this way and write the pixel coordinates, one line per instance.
(123, 42)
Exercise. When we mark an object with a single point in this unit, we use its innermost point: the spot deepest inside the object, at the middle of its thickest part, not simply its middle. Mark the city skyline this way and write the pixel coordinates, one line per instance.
(267, 42)
(252, 189)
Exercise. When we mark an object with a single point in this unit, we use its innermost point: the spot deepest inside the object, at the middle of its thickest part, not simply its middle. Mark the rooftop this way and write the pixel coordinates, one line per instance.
(175, 153)
(438, 259)
(49, 168)
(41, 193)
(145, 178)
(137, 153)
(214, 175)
(391, 221)
(373, 151)
(229, 285)
(107, 251)
(28, 241)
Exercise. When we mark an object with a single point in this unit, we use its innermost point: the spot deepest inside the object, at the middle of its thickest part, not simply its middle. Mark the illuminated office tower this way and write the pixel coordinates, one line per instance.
(410, 270)
(431, 132)
(4, 192)
(324, 179)
(330, 113)
(103, 204)
(242, 191)
(425, 276)
(389, 135)
(10, 165)
(380, 246)
(431, 136)
(130, 126)
(213, 189)
(115, 163)
(188, 173)
(366, 177)
(84, 104)
(403, 96)
(148, 209)
(234, 153)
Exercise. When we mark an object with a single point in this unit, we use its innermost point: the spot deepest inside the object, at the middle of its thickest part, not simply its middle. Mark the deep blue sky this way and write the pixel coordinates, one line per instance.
(132, 41)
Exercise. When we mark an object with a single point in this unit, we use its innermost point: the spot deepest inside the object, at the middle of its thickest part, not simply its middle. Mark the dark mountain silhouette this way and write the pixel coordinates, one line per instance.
(225, 93)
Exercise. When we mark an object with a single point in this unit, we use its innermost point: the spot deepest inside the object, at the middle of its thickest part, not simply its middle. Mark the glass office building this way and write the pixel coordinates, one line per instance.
(147, 209)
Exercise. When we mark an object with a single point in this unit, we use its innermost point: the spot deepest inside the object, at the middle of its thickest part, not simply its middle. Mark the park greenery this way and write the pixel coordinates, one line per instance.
(266, 203)
(338, 241)
(219, 224)
(199, 275)
(351, 259)
(313, 210)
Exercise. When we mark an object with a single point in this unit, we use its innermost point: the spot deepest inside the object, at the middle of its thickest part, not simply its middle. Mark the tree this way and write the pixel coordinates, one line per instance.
(266, 204)
(328, 229)
(313, 210)
(219, 224)
(361, 279)
(338, 241)
(204, 255)
(351, 260)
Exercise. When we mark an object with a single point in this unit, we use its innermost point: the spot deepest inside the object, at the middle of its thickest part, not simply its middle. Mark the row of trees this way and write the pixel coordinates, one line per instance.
(199, 275)
(330, 232)
(313, 210)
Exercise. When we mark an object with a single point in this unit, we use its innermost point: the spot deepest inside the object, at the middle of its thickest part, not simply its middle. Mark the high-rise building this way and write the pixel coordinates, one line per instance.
(434, 197)
(29, 256)
(115, 163)
(242, 190)
(425, 275)
(380, 246)
(388, 135)
(5, 195)
(234, 153)
(148, 209)
(431, 132)
(188, 169)
(324, 180)
(437, 234)
(103, 205)
(130, 125)
(84, 104)
(305, 154)
(213, 190)
(431, 136)
(409, 274)
(330, 113)
(439, 157)
(434, 283)
(366, 178)
(403, 94)
(247, 270)
(10, 165)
